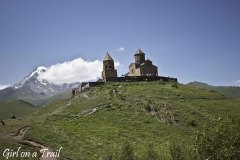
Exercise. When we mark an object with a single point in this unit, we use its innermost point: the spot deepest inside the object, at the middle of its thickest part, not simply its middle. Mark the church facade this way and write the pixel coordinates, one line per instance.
(142, 67)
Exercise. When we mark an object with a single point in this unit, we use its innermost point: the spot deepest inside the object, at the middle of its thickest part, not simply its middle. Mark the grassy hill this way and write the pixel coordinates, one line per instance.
(19, 107)
(229, 91)
(100, 121)
(51, 99)
(63, 95)
(33, 98)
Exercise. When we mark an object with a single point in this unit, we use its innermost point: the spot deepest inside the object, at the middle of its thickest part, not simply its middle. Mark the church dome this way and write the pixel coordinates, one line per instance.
(139, 51)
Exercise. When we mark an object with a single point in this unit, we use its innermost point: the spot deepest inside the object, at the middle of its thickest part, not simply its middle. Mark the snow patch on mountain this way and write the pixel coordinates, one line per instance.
(32, 83)
(3, 86)
(38, 70)
(35, 90)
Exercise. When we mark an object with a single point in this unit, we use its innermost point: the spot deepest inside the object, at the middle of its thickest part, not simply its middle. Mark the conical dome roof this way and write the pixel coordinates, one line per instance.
(139, 51)
(107, 57)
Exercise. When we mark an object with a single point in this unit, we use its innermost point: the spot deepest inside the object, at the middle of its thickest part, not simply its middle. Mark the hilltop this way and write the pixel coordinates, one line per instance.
(99, 121)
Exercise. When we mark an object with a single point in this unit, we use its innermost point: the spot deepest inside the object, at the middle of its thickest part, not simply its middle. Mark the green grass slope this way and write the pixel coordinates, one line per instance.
(44, 101)
(101, 120)
(19, 107)
(146, 113)
(228, 91)
(232, 92)
(59, 96)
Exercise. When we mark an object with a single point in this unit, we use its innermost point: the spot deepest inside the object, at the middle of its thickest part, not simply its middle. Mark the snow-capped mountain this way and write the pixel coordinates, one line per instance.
(43, 87)
(32, 89)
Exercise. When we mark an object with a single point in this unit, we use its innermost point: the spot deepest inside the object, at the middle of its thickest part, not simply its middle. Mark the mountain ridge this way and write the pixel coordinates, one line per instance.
(228, 91)
(34, 90)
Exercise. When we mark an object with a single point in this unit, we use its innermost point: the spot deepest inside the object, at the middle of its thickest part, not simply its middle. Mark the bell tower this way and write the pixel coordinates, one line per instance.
(139, 57)
(109, 70)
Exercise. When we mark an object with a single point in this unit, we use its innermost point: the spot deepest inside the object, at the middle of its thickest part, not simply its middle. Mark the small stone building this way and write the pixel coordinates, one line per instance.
(142, 67)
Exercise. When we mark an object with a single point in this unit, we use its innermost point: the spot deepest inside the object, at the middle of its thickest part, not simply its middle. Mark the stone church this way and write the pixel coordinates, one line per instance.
(141, 68)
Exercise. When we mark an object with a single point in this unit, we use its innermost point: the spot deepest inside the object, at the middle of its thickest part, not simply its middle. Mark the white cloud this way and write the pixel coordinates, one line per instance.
(121, 49)
(237, 82)
(116, 64)
(3, 86)
(77, 70)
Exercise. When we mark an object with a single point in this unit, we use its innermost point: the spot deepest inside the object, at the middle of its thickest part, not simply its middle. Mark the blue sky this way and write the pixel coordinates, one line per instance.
(187, 39)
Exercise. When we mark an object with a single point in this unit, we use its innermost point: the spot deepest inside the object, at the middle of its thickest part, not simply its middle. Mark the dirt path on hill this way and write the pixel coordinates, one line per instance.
(47, 151)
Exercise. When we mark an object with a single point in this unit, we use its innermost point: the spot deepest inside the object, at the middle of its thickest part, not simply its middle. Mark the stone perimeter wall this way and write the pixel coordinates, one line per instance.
(139, 79)
(86, 85)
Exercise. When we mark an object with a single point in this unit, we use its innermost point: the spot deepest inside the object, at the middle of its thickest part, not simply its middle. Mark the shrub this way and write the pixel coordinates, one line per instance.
(176, 152)
(212, 91)
(151, 154)
(192, 123)
(219, 139)
(161, 82)
(126, 153)
(148, 108)
(175, 85)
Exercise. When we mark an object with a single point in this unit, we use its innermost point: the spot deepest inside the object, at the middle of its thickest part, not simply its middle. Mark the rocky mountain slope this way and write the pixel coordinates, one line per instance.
(34, 90)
